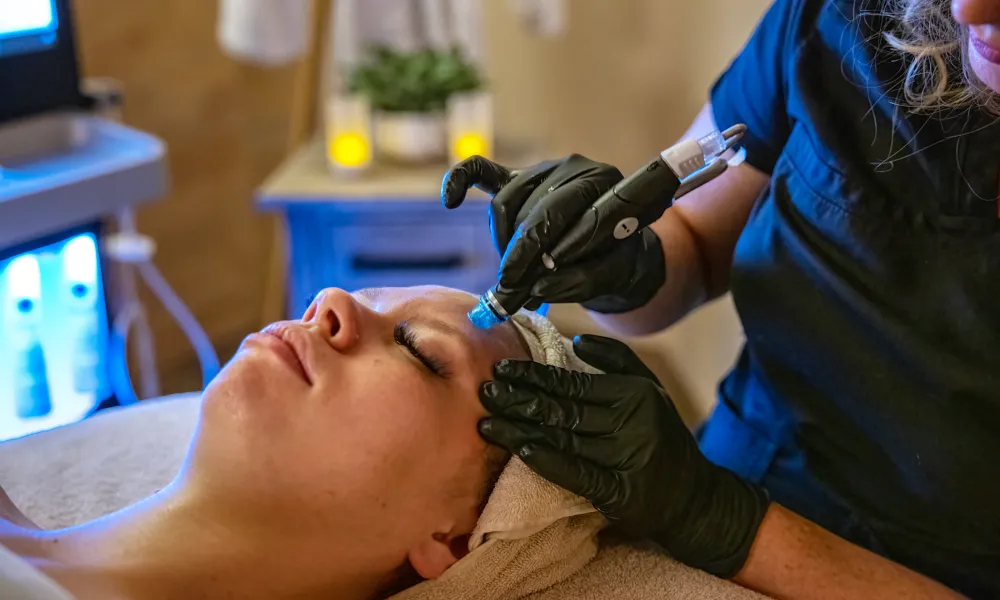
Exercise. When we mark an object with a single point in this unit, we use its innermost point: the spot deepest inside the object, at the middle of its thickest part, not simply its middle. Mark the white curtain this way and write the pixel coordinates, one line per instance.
(405, 25)
(268, 32)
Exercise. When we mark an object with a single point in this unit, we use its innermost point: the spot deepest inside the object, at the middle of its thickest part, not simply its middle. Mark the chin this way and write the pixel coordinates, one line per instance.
(987, 72)
(239, 407)
(248, 384)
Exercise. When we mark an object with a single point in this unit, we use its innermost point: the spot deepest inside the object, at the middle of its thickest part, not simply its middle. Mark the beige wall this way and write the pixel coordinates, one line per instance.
(621, 84)
(623, 81)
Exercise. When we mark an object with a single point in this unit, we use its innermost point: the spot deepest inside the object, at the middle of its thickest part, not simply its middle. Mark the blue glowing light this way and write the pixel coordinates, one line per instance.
(80, 260)
(24, 17)
(482, 317)
(24, 278)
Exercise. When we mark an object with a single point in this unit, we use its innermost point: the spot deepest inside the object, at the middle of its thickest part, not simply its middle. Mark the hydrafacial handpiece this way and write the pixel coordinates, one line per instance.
(632, 205)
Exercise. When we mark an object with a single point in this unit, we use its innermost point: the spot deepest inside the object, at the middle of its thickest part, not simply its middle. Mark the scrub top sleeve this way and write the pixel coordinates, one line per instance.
(753, 89)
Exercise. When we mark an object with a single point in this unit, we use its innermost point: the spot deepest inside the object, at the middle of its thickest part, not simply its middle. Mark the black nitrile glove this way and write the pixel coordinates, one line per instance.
(617, 440)
(532, 208)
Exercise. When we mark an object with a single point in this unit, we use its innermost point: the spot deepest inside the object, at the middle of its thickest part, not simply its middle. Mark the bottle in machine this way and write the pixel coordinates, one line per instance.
(80, 291)
(24, 305)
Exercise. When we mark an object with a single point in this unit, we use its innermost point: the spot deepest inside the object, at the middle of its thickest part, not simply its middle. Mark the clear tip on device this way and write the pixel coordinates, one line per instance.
(488, 312)
(712, 145)
(691, 155)
(717, 142)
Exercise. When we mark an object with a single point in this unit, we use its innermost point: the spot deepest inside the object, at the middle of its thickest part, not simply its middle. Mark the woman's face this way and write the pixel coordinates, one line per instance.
(983, 19)
(361, 417)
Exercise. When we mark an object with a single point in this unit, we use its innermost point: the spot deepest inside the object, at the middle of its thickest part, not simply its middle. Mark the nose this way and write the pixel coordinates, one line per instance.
(976, 12)
(334, 315)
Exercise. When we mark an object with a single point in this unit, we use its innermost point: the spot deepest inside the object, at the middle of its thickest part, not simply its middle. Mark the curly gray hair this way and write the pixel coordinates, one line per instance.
(939, 75)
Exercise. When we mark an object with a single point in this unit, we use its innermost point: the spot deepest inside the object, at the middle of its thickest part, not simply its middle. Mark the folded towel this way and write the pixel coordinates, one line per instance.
(623, 571)
(532, 533)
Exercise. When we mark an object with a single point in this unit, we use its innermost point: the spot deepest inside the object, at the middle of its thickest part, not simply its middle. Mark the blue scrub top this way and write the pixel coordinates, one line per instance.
(867, 397)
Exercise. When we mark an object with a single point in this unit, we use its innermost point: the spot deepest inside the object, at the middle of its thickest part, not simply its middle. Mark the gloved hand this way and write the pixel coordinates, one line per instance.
(532, 208)
(617, 440)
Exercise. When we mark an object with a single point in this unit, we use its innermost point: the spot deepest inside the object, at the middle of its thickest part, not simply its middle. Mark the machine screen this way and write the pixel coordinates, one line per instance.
(27, 26)
(53, 351)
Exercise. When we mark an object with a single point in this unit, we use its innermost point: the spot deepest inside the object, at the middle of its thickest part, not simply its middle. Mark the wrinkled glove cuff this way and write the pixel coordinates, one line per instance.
(727, 567)
(716, 533)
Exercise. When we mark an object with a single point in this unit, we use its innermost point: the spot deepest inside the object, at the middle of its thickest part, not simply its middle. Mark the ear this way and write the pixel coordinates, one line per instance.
(431, 557)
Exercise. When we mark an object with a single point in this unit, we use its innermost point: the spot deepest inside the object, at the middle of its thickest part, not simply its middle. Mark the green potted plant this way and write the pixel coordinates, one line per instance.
(409, 93)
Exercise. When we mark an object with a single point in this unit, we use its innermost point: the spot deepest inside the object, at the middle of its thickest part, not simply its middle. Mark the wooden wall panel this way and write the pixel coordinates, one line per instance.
(225, 124)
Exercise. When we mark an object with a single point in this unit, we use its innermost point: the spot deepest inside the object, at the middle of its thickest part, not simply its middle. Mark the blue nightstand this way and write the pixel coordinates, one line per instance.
(382, 227)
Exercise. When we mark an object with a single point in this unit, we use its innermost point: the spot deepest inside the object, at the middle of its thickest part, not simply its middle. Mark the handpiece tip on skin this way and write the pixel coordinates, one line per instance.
(482, 317)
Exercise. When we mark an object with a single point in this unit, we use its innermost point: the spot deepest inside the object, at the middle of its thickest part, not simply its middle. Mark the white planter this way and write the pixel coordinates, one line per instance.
(410, 137)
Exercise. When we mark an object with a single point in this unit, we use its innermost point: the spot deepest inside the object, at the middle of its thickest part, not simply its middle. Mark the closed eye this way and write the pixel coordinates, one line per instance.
(404, 336)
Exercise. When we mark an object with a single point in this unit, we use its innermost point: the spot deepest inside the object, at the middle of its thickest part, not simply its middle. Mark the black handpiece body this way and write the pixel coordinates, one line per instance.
(633, 204)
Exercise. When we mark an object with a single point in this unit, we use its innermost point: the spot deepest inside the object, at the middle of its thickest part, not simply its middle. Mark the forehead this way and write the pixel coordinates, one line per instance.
(389, 299)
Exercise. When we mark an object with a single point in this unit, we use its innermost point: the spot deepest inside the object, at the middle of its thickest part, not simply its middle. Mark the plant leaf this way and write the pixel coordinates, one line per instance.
(420, 81)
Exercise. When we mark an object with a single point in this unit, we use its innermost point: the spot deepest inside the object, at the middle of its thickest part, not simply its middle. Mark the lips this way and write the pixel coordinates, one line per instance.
(986, 50)
(279, 340)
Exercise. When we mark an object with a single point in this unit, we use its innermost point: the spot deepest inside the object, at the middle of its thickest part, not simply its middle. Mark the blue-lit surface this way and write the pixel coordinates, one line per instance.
(27, 26)
(482, 317)
(53, 347)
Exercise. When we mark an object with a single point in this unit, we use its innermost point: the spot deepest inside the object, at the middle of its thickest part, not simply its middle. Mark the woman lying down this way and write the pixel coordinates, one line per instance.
(338, 457)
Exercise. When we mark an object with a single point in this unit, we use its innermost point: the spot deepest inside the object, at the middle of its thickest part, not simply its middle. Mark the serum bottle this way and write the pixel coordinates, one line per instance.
(79, 283)
(24, 303)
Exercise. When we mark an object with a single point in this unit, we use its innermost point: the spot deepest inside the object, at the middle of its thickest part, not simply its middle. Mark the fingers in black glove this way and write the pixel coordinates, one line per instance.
(611, 356)
(503, 399)
(625, 278)
(567, 470)
(617, 440)
(520, 194)
(549, 212)
(475, 171)
(530, 211)
(594, 278)
(511, 191)
(517, 436)
(612, 390)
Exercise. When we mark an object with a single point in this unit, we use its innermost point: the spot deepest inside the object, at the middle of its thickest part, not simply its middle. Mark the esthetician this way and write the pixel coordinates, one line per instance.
(855, 450)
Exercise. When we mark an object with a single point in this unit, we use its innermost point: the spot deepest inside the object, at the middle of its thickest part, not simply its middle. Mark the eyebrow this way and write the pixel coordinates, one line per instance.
(437, 325)
(375, 294)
